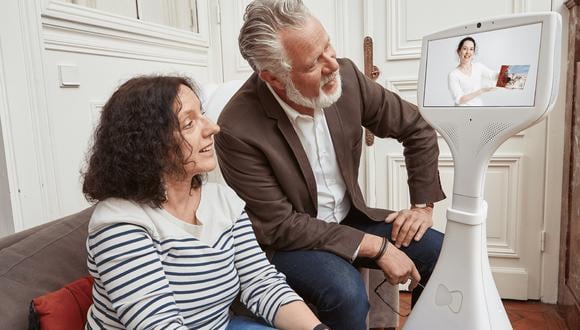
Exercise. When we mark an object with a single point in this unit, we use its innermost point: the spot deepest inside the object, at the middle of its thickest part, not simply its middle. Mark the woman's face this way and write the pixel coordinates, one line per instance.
(466, 52)
(197, 131)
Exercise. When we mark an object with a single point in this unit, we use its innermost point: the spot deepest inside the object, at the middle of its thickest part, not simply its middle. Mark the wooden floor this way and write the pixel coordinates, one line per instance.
(524, 315)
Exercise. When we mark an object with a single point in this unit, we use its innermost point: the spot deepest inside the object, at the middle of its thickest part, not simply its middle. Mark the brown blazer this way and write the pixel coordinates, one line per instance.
(262, 159)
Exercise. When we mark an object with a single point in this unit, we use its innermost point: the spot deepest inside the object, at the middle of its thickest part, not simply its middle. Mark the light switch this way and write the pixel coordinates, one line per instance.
(68, 75)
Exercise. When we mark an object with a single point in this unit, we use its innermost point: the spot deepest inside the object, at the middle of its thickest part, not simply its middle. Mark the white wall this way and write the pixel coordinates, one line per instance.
(6, 225)
(46, 127)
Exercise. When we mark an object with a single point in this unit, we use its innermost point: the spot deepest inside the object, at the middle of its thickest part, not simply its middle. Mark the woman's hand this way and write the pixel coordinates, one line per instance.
(468, 97)
(486, 89)
(296, 315)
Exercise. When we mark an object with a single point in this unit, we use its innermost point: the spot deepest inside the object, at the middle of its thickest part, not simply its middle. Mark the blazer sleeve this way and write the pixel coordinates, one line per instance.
(277, 225)
(387, 115)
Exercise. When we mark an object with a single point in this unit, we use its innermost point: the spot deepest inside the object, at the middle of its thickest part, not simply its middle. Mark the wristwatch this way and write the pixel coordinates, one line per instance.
(422, 205)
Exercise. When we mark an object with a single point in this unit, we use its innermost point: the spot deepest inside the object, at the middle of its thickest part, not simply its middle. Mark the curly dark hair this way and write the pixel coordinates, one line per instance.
(135, 144)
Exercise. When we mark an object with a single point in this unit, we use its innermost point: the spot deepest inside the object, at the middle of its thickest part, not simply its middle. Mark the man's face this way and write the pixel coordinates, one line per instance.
(314, 80)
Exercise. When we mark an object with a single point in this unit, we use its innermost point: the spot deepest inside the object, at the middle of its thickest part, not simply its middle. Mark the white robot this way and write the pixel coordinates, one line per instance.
(520, 59)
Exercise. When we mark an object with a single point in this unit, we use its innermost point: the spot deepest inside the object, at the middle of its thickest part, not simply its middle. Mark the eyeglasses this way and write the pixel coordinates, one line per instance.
(386, 303)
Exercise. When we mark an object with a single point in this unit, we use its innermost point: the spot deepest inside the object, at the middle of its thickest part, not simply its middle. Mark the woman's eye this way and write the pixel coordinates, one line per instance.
(188, 124)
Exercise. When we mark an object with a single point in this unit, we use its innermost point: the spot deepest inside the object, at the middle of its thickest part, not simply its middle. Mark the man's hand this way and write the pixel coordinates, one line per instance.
(409, 224)
(396, 265)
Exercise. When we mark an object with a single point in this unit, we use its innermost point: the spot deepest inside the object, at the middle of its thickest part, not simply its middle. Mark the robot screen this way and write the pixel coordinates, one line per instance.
(496, 68)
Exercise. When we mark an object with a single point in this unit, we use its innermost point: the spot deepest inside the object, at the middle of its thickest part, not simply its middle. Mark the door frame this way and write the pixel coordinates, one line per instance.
(566, 297)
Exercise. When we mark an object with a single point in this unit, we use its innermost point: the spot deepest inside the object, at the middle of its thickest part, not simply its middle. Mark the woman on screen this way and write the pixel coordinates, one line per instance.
(469, 80)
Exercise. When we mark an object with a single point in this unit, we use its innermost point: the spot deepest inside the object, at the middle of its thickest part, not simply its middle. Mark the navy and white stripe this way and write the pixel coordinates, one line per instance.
(169, 279)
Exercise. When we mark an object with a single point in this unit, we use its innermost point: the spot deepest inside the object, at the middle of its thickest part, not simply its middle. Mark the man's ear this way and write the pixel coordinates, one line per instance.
(271, 79)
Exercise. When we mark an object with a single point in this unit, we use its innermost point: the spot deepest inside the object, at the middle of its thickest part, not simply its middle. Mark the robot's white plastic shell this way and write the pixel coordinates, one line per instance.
(461, 293)
(474, 133)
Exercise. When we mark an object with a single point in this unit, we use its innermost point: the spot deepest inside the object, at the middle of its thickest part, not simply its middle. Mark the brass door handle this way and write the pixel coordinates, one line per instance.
(373, 72)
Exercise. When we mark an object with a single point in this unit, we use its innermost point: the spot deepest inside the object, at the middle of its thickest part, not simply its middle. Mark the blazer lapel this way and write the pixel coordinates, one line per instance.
(337, 135)
(275, 111)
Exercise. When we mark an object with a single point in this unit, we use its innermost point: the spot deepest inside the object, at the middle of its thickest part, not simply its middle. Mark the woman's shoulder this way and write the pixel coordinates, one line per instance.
(454, 73)
(223, 192)
(112, 211)
(219, 200)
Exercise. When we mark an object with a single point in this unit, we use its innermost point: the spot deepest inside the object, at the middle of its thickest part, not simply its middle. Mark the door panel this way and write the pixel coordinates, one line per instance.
(516, 203)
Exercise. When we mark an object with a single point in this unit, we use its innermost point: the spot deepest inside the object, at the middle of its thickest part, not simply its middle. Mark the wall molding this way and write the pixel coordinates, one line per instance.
(403, 84)
(12, 175)
(341, 25)
(242, 65)
(505, 246)
(399, 46)
(27, 140)
(77, 29)
(43, 139)
(368, 19)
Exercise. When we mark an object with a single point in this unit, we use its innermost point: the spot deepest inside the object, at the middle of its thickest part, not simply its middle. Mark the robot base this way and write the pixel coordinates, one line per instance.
(461, 293)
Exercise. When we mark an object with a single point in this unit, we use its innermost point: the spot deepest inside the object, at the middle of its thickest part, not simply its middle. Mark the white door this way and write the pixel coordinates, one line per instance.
(230, 21)
(514, 185)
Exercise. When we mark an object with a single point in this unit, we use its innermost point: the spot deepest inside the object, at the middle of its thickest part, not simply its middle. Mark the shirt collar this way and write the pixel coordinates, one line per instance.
(290, 112)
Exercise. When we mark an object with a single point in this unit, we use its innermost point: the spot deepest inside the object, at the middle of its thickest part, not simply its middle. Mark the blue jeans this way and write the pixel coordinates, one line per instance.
(335, 287)
(246, 323)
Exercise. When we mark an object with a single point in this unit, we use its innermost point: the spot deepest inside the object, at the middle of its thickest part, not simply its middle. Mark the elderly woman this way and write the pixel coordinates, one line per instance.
(166, 250)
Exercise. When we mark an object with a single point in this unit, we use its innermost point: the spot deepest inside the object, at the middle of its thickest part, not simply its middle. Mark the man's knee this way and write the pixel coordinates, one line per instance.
(431, 248)
(435, 243)
(325, 280)
(348, 293)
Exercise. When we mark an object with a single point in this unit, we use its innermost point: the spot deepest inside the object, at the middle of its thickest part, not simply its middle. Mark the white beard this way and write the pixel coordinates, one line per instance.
(323, 100)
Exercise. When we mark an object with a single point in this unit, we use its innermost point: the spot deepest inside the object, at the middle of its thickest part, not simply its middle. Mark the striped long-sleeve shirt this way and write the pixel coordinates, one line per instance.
(155, 271)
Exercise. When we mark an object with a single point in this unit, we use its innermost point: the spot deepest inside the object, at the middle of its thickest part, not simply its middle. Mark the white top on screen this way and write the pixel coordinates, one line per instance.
(505, 61)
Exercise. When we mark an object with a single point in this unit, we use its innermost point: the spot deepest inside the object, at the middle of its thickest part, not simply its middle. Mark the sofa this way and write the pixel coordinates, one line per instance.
(40, 260)
(45, 258)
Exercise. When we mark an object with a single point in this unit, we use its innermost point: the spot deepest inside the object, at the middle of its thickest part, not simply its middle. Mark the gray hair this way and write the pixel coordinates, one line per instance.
(259, 42)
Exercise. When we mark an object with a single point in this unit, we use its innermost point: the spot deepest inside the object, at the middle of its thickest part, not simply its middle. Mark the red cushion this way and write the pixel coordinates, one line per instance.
(67, 307)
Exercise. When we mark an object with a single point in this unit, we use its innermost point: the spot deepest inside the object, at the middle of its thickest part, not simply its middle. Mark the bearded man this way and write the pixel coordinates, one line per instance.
(290, 146)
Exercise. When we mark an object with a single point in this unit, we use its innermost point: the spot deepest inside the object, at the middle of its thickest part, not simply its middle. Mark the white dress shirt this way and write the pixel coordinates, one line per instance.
(333, 204)
(461, 84)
